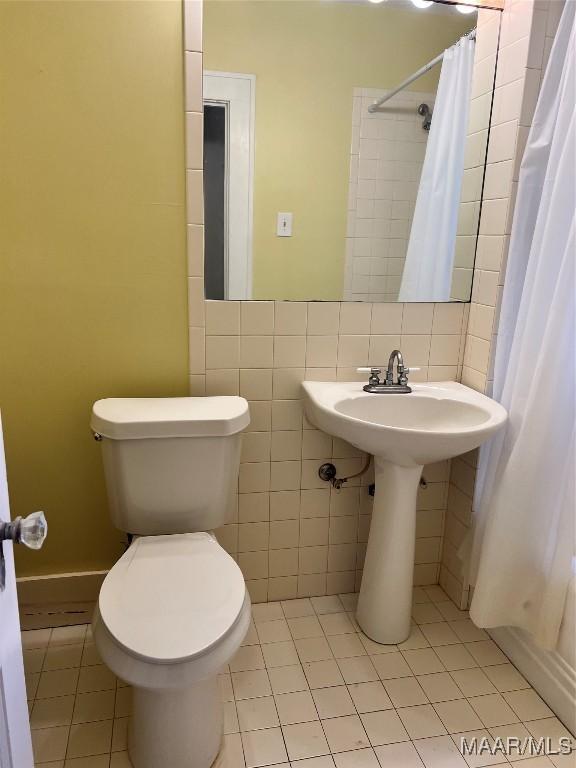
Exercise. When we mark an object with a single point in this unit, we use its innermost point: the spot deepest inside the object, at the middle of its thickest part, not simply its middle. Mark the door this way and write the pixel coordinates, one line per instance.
(15, 740)
(229, 100)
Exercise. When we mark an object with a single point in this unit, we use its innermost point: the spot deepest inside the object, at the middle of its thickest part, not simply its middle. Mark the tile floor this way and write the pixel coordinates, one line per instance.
(309, 690)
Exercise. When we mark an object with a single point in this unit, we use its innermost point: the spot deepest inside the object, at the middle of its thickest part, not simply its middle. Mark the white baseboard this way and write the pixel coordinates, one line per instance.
(548, 673)
(58, 600)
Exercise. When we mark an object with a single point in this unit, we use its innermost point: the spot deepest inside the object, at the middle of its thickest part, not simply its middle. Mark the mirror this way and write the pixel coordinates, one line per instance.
(344, 148)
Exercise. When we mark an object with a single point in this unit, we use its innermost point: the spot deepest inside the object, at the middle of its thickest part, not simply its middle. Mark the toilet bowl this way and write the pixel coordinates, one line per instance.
(171, 613)
(174, 609)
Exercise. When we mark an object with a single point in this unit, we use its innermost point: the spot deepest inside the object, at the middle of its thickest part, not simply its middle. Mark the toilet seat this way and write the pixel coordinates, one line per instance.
(172, 598)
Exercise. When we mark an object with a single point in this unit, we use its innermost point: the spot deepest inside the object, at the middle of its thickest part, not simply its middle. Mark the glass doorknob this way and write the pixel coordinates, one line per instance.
(31, 530)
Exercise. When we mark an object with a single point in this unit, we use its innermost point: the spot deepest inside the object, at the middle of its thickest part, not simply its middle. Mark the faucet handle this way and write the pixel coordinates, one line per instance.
(374, 372)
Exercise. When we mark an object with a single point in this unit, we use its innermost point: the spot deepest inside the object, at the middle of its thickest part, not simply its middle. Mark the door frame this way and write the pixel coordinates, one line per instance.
(237, 93)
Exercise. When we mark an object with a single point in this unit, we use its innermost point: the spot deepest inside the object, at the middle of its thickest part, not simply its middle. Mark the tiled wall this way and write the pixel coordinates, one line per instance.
(386, 161)
(292, 534)
(528, 30)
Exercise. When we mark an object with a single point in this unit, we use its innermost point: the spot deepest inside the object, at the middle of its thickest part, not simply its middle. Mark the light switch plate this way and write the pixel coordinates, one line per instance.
(284, 225)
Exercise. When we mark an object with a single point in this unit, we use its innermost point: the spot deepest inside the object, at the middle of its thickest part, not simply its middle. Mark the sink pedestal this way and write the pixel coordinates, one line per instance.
(385, 601)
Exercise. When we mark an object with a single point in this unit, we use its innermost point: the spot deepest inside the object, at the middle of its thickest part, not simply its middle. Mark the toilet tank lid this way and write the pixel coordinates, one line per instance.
(132, 418)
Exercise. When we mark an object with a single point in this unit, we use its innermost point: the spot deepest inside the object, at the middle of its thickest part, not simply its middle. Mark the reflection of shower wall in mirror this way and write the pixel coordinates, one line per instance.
(386, 160)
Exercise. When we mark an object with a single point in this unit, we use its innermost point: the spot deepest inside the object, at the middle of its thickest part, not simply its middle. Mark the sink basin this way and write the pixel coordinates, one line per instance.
(434, 422)
(403, 432)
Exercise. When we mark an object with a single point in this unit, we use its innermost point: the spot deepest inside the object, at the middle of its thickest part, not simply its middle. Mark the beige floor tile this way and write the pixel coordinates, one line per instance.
(280, 654)
(369, 697)
(97, 678)
(403, 755)
(426, 613)
(373, 648)
(455, 657)
(345, 733)
(360, 758)
(421, 722)
(333, 702)
(467, 631)
(247, 659)
(423, 661)
(49, 713)
(528, 705)
(251, 636)
(247, 685)
(90, 739)
(458, 716)
(275, 631)
(326, 761)
(493, 710)
(359, 669)
(63, 656)
(49, 743)
(336, 624)
(120, 734)
(231, 724)
(296, 608)
(32, 681)
(472, 682)
(62, 682)
(327, 604)
(35, 638)
(91, 707)
(254, 714)
(439, 752)
(33, 659)
(391, 665)
(305, 740)
(90, 655)
(384, 727)
(288, 679)
(439, 687)
(267, 612)
(415, 640)
(225, 686)
(506, 677)
(405, 692)
(96, 761)
(346, 646)
(123, 703)
(296, 707)
(121, 760)
(304, 627)
(313, 649)
(486, 653)
(439, 633)
(321, 674)
(264, 747)
(68, 635)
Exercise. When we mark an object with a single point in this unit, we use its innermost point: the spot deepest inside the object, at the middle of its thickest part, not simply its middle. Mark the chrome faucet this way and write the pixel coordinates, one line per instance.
(389, 386)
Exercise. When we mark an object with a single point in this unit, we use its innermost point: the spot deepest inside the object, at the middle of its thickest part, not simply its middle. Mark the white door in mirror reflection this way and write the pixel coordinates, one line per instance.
(228, 184)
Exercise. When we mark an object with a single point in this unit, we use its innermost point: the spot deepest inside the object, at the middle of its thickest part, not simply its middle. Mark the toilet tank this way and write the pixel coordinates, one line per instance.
(171, 464)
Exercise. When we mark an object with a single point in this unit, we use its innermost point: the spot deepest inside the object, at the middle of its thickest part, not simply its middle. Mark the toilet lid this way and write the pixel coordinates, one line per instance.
(170, 598)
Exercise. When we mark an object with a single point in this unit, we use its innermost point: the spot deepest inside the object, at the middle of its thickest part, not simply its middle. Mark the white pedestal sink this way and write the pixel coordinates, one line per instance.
(403, 432)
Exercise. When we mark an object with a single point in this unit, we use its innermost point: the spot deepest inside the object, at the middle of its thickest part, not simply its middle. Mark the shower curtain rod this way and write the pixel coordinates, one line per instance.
(422, 71)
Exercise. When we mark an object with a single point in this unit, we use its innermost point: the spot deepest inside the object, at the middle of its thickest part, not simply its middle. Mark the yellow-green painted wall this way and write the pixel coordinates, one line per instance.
(307, 58)
(92, 248)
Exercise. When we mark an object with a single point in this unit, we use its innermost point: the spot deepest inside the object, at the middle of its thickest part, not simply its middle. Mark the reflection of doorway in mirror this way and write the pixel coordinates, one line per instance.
(228, 183)
(386, 161)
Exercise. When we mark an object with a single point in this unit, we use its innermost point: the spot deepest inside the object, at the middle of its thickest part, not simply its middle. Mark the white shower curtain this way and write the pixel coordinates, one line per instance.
(525, 503)
(427, 272)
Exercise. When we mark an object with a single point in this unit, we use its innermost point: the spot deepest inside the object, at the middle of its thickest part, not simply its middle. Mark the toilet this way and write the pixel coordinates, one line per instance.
(174, 609)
